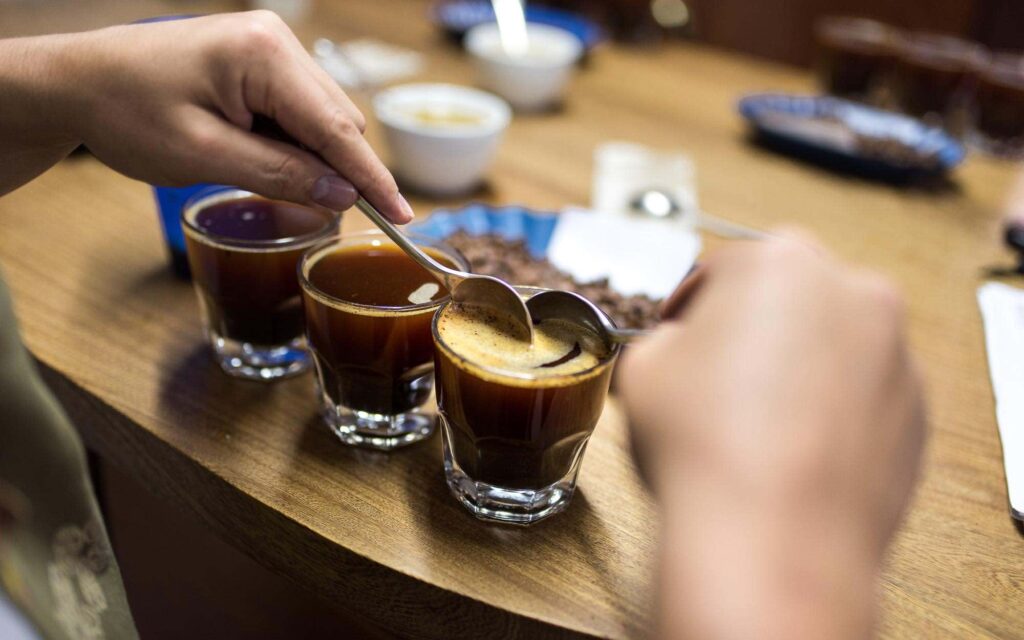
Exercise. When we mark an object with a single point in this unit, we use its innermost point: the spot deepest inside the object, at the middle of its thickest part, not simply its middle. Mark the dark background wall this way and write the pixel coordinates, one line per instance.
(782, 29)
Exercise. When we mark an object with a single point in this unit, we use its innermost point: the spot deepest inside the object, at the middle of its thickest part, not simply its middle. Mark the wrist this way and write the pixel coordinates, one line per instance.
(741, 566)
(41, 106)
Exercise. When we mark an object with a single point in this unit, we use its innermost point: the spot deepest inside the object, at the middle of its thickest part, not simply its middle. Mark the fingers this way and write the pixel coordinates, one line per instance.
(319, 116)
(328, 83)
(282, 82)
(303, 59)
(674, 303)
(269, 167)
(1015, 202)
(311, 116)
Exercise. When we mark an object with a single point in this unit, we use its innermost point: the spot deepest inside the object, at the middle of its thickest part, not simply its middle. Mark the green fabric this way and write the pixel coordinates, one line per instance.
(55, 559)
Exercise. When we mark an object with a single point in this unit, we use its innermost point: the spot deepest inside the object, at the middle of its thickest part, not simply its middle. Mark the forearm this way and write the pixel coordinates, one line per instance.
(36, 109)
(743, 566)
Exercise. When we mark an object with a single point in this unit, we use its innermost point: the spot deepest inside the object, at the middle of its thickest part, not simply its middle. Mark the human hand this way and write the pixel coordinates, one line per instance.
(780, 422)
(173, 103)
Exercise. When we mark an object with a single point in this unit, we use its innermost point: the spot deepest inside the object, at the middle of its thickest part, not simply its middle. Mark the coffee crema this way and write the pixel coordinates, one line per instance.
(518, 416)
(559, 347)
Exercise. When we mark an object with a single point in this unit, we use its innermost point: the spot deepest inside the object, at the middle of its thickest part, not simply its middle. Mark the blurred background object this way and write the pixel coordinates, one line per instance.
(169, 202)
(783, 30)
(935, 76)
(999, 122)
(537, 79)
(854, 56)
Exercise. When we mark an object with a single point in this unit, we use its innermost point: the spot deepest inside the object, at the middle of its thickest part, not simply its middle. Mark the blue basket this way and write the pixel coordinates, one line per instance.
(511, 223)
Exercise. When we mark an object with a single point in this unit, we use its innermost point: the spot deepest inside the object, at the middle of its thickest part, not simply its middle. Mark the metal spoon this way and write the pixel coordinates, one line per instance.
(659, 203)
(466, 288)
(511, 18)
(575, 308)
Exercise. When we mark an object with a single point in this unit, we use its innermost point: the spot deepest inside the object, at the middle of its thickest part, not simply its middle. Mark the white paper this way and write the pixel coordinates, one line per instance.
(1002, 311)
(637, 255)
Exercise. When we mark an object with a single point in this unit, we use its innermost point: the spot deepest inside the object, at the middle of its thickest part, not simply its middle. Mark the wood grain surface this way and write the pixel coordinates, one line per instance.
(119, 339)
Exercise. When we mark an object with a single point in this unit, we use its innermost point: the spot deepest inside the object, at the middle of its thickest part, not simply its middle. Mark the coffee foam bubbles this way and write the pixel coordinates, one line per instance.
(486, 340)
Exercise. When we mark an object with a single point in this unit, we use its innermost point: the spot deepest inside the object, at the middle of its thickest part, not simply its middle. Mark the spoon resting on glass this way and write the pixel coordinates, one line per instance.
(488, 292)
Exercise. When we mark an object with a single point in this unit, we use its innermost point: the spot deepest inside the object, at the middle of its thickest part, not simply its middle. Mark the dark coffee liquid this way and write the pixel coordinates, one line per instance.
(374, 360)
(520, 435)
(1001, 105)
(256, 219)
(934, 79)
(853, 72)
(251, 294)
(854, 57)
(925, 86)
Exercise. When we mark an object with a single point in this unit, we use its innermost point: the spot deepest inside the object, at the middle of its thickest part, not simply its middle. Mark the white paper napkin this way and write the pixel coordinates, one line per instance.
(1002, 310)
(636, 255)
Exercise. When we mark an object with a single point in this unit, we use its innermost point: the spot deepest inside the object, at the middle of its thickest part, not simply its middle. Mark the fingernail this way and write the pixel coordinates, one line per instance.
(406, 207)
(334, 192)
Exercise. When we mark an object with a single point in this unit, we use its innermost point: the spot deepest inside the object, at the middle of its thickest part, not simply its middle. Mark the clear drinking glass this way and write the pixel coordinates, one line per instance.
(374, 363)
(855, 56)
(935, 79)
(243, 251)
(512, 442)
(999, 119)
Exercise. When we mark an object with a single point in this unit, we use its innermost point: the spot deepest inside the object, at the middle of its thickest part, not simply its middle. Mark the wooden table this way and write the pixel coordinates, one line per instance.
(119, 340)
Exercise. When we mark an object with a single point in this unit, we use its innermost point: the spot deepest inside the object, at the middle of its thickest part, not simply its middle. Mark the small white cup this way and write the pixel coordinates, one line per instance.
(533, 81)
(441, 137)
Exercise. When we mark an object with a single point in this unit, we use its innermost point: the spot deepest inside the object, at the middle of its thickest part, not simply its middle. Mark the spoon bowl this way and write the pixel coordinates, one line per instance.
(572, 307)
(488, 292)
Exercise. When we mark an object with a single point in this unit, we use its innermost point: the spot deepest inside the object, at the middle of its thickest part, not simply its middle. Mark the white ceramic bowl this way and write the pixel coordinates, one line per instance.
(441, 137)
(533, 81)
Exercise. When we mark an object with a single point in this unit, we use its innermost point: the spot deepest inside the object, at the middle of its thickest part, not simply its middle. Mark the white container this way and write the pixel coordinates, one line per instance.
(537, 79)
(441, 137)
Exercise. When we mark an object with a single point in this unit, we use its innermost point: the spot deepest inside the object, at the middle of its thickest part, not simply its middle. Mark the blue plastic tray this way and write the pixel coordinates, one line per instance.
(512, 223)
(933, 141)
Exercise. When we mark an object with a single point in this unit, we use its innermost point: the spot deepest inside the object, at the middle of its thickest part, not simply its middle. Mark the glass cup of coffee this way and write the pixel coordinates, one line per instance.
(516, 419)
(368, 312)
(999, 118)
(243, 251)
(935, 79)
(855, 56)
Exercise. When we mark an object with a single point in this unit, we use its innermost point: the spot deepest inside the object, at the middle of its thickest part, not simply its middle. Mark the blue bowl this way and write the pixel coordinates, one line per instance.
(933, 142)
(459, 16)
(511, 223)
(169, 202)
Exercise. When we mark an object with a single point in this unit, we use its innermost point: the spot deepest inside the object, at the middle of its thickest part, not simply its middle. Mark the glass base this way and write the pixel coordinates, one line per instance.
(253, 362)
(500, 504)
(378, 431)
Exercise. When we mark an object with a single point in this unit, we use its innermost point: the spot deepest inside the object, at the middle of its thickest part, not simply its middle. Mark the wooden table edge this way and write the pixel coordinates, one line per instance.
(254, 528)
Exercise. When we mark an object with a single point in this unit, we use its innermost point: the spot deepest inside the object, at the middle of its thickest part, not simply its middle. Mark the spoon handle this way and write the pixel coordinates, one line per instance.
(623, 336)
(450, 277)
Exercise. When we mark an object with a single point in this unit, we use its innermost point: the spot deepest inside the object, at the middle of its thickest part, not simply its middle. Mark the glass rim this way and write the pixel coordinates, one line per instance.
(1006, 68)
(214, 194)
(613, 352)
(857, 30)
(338, 303)
(942, 49)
